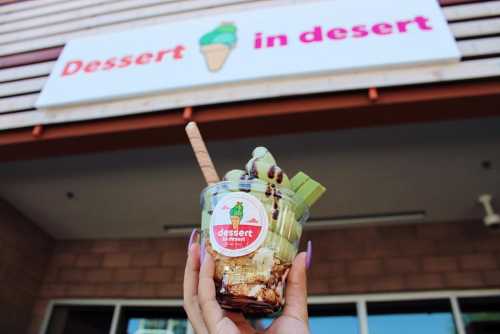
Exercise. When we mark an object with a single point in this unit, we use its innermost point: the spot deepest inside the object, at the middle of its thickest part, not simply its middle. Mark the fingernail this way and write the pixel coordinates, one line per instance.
(191, 238)
(309, 254)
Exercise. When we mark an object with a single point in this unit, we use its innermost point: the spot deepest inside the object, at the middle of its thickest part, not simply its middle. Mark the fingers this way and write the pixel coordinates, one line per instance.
(212, 312)
(191, 271)
(241, 322)
(296, 290)
(190, 289)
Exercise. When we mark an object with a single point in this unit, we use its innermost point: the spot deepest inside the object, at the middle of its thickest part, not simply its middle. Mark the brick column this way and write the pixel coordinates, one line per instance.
(24, 251)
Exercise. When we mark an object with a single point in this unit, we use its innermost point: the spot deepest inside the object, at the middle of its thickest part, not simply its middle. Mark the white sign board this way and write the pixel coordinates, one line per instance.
(315, 37)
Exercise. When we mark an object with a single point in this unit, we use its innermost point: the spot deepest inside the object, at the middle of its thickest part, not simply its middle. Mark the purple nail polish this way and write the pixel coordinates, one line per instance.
(309, 254)
(191, 238)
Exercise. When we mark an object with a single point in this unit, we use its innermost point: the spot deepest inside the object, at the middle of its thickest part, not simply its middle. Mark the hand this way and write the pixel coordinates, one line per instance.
(206, 315)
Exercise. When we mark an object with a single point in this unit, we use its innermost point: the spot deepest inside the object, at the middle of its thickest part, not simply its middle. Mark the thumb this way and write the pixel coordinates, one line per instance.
(296, 290)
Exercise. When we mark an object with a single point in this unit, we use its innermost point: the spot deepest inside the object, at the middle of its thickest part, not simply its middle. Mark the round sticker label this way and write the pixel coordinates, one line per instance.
(238, 225)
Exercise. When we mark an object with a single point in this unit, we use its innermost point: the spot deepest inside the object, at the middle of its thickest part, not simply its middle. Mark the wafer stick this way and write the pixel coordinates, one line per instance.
(200, 151)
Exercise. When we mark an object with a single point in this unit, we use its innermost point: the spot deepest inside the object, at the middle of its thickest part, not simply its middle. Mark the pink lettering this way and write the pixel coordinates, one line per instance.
(161, 54)
(72, 67)
(382, 29)
(125, 61)
(403, 25)
(311, 36)
(258, 41)
(359, 31)
(422, 23)
(337, 33)
(282, 39)
(144, 58)
(109, 64)
(178, 51)
(92, 66)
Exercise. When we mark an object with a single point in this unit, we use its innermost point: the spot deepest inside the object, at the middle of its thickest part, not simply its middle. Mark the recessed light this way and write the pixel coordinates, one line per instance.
(486, 164)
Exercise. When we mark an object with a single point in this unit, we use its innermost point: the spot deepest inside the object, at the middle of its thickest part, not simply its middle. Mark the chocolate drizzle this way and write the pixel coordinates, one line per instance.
(279, 177)
(271, 172)
(271, 190)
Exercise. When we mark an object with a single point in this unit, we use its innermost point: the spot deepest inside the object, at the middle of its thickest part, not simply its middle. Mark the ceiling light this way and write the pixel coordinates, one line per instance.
(333, 222)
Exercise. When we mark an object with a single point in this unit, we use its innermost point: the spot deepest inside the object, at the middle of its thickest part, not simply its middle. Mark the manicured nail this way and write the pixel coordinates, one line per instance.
(309, 254)
(191, 238)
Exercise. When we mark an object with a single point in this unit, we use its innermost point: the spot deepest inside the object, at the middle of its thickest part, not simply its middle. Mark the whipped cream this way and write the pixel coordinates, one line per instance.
(263, 261)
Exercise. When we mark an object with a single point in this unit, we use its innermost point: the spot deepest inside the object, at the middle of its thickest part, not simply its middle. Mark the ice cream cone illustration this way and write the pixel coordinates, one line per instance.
(236, 214)
(217, 45)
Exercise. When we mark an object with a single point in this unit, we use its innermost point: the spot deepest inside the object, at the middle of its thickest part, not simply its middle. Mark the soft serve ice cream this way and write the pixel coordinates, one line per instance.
(217, 44)
(251, 223)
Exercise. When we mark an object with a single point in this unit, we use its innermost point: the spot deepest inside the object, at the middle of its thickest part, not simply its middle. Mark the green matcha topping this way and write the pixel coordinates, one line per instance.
(223, 34)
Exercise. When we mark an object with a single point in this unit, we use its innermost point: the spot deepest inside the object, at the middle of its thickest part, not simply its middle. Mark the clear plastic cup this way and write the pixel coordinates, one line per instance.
(252, 229)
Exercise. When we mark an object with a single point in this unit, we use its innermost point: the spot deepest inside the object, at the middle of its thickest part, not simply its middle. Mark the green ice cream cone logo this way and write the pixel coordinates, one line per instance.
(217, 44)
(236, 214)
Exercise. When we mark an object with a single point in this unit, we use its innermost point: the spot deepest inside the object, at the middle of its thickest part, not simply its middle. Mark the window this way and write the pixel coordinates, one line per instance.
(71, 319)
(152, 320)
(459, 312)
(342, 317)
(411, 317)
(481, 315)
(322, 318)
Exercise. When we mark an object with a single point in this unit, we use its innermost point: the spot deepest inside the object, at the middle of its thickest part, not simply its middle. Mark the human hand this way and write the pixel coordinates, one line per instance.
(206, 315)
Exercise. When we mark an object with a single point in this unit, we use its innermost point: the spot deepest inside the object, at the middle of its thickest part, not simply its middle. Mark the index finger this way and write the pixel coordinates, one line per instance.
(190, 289)
(191, 273)
(296, 290)
(212, 312)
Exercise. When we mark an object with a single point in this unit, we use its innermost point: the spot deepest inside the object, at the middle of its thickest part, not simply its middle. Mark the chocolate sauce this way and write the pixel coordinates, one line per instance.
(272, 190)
(271, 172)
(278, 195)
(268, 191)
(279, 177)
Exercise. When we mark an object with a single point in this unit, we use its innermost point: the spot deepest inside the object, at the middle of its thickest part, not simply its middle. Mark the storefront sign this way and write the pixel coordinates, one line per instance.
(315, 37)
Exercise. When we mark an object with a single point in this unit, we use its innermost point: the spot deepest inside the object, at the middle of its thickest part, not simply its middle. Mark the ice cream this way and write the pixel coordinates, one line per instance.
(252, 222)
(217, 44)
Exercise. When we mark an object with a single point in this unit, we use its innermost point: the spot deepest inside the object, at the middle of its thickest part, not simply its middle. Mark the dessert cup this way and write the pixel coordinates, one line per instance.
(252, 229)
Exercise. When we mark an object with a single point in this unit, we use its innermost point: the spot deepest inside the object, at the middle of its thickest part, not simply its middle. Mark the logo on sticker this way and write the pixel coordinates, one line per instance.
(238, 225)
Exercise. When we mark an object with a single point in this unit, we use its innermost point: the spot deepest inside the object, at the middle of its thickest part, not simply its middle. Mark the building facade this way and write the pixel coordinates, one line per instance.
(97, 195)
